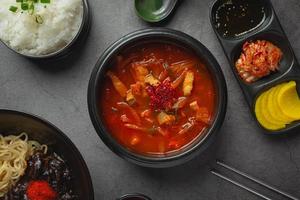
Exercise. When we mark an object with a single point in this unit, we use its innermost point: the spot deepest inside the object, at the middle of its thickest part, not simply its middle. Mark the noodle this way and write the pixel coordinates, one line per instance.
(14, 152)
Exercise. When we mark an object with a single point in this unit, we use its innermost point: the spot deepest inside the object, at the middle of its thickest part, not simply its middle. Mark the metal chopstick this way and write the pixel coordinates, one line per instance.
(239, 185)
(274, 189)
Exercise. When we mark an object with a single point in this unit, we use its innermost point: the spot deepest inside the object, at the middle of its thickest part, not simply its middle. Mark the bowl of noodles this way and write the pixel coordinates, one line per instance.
(37, 159)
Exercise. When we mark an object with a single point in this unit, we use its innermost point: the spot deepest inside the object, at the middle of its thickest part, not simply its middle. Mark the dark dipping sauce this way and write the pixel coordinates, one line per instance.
(46, 167)
(234, 18)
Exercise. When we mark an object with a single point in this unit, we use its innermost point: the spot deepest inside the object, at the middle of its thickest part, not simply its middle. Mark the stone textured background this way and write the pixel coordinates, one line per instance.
(58, 93)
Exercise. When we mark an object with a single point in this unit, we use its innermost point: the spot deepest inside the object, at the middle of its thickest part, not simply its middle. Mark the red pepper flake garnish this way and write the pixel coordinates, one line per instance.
(40, 190)
(163, 96)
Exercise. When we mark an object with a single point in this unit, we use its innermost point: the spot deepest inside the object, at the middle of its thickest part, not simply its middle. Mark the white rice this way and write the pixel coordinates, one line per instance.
(61, 22)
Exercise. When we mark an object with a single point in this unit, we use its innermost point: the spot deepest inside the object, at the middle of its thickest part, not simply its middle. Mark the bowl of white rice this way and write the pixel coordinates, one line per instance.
(43, 28)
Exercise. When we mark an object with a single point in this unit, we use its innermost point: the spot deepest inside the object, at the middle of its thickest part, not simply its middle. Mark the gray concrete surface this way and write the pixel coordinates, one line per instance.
(58, 93)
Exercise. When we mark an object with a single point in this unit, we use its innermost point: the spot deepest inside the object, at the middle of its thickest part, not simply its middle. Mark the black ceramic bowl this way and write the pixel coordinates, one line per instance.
(71, 46)
(14, 122)
(161, 35)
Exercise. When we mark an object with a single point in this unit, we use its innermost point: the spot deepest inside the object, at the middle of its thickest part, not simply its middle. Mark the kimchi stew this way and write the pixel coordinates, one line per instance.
(157, 98)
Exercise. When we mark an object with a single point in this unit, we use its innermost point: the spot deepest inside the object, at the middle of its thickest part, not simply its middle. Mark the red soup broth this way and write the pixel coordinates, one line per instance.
(157, 98)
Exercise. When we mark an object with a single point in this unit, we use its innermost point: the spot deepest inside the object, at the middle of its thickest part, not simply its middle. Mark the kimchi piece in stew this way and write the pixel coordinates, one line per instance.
(157, 98)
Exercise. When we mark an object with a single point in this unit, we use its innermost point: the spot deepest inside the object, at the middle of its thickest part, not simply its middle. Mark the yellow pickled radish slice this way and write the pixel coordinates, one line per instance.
(267, 111)
(260, 117)
(276, 107)
(288, 100)
(271, 107)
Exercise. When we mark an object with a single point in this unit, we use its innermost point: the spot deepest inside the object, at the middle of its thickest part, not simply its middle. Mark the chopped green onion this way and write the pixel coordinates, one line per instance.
(31, 8)
(28, 5)
(39, 19)
(24, 6)
(31, 5)
(13, 8)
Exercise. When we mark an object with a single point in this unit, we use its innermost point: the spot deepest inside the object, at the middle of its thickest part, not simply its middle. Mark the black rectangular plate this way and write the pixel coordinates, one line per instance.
(289, 68)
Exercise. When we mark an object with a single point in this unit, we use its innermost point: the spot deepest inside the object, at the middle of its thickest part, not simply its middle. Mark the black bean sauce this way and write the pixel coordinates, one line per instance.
(50, 168)
(234, 18)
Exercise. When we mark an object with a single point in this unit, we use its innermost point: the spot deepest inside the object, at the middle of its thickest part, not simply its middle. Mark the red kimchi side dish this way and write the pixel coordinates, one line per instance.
(257, 60)
(157, 98)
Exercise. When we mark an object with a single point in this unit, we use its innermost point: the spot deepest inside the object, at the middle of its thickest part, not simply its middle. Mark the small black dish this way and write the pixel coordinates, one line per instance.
(15, 122)
(71, 46)
(161, 35)
(133, 197)
(290, 128)
(270, 30)
(151, 11)
(285, 66)
(239, 14)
